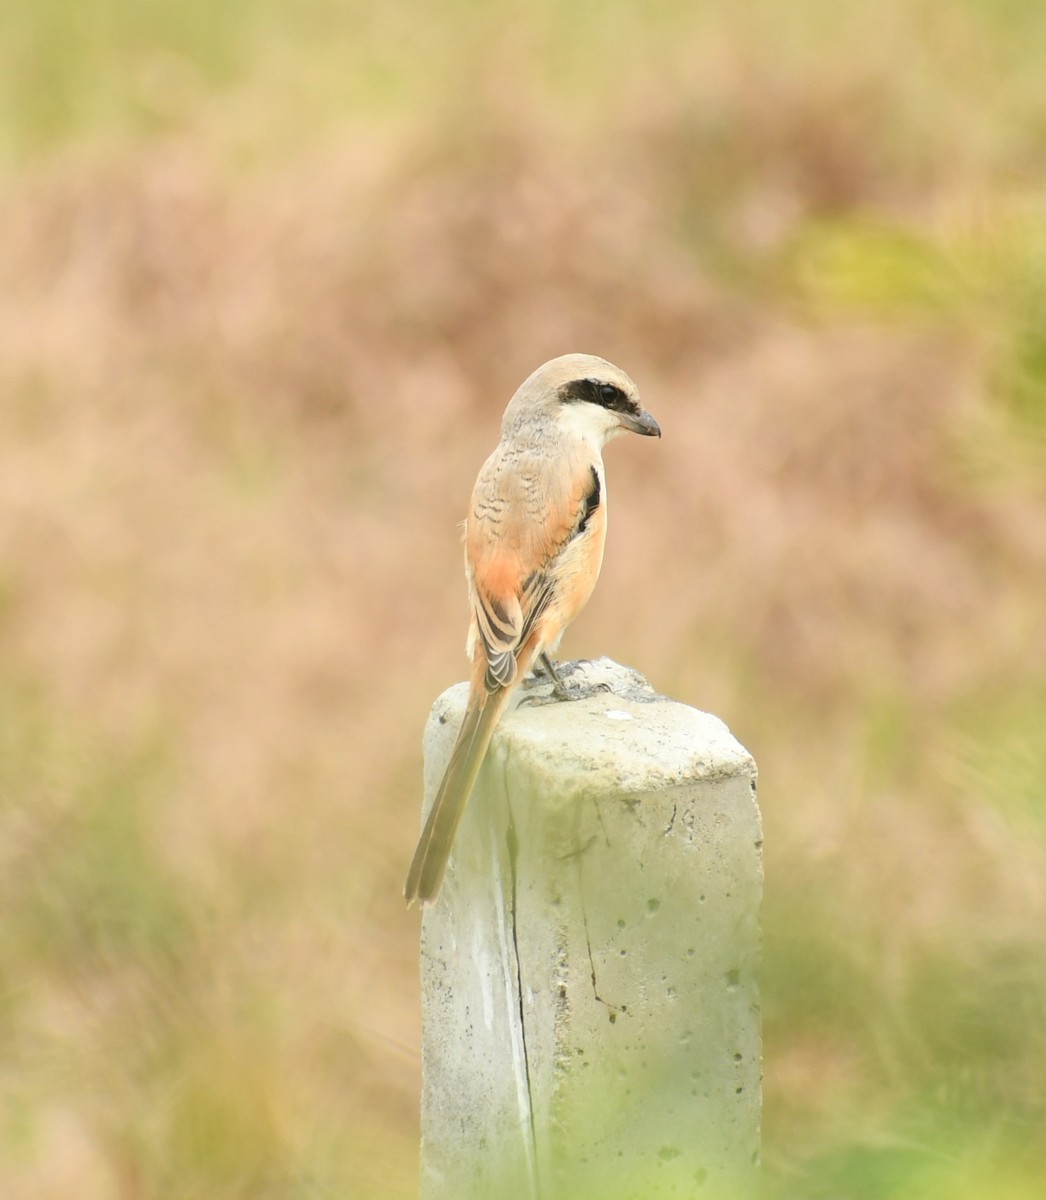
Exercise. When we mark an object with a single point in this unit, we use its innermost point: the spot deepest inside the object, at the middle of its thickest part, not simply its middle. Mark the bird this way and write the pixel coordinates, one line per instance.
(534, 537)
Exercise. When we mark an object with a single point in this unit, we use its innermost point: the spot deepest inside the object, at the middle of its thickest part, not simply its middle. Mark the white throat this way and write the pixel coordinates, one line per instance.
(589, 422)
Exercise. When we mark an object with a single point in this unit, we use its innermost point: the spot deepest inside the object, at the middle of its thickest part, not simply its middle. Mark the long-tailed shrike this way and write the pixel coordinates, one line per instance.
(534, 539)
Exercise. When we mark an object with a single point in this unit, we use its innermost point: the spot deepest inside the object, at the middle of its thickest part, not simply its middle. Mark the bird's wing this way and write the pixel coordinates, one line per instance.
(522, 518)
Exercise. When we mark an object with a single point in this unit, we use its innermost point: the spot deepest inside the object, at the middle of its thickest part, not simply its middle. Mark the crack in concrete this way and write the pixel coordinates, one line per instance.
(512, 839)
(612, 1009)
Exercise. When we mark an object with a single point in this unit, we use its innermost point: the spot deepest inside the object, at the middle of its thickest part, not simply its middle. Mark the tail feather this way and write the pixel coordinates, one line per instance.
(430, 858)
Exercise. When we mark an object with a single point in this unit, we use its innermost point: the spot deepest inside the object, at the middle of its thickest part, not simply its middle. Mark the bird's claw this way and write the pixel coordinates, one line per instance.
(560, 691)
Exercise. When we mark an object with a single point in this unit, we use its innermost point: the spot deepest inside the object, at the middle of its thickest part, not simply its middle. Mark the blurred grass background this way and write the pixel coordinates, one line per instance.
(269, 274)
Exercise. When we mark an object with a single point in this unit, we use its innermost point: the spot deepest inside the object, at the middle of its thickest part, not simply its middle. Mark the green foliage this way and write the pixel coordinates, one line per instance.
(986, 278)
(72, 69)
(999, 753)
(86, 888)
(1020, 374)
(873, 267)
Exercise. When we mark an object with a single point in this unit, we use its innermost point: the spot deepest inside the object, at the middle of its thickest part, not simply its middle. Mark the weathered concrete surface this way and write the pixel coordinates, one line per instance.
(590, 1013)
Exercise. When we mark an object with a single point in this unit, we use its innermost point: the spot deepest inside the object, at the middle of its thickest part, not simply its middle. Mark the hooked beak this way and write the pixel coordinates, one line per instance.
(642, 423)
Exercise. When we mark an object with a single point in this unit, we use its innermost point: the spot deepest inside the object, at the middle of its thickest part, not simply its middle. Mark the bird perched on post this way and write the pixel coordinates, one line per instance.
(534, 536)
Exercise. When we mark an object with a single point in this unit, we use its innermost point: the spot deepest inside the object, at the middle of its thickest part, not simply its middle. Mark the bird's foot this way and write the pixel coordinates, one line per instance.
(546, 671)
(558, 694)
(537, 678)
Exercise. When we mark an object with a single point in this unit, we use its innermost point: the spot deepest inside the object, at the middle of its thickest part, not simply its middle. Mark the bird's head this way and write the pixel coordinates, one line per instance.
(586, 395)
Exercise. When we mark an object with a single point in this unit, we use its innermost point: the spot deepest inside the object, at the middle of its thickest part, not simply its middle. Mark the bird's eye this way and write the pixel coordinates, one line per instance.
(608, 393)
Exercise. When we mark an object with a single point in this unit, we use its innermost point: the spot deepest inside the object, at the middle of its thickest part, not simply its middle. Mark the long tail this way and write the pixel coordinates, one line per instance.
(430, 858)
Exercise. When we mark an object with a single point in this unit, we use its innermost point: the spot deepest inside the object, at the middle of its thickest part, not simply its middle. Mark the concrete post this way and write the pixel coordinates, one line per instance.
(589, 1008)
